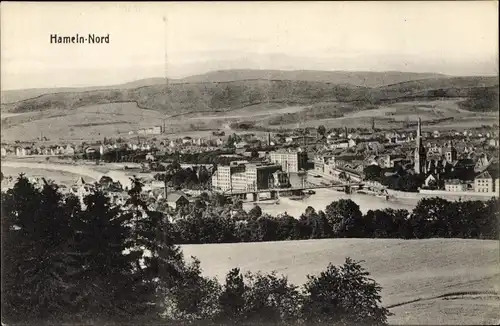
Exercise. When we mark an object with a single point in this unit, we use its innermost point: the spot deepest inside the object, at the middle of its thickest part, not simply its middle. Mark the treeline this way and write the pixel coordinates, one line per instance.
(68, 263)
(397, 179)
(483, 99)
(212, 220)
(189, 178)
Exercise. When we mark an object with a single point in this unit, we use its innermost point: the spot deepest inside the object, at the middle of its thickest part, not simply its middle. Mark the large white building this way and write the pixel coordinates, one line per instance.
(240, 177)
(483, 182)
(455, 186)
(290, 161)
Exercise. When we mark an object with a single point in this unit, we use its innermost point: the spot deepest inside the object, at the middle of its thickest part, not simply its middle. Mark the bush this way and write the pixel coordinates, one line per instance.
(343, 296)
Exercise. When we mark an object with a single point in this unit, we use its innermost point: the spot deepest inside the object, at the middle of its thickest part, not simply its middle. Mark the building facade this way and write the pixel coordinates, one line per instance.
(290, 161)
(261, 176)
(483, 182)
(455, 186)
(241, 177)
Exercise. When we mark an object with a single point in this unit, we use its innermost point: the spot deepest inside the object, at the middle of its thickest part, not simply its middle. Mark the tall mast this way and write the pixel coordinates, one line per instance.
(419, 128)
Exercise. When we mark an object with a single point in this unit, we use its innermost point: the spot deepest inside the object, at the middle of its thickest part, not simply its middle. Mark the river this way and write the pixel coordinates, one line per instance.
(324, 197)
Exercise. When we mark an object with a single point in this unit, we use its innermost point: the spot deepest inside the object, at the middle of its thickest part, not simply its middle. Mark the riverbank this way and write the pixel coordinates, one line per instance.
(324, 197)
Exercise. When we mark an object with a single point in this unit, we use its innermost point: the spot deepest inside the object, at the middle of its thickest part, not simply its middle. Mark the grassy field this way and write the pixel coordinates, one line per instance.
(117, 119)
(451, 278)
(394, 116)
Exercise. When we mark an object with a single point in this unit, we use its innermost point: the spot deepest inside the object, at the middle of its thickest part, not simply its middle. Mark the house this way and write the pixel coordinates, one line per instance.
(82, 189)
(241, 144)
(372, 160)
(69, 150)
(342, 144)
(389, 161)
(483, 182)
(493, 142)
(320, 163)
(331, 135)
(23, 151)
(187, 140)
(455, 185)
(108, 184)
(90, 150)
(430, 180)
(482, 163)
(177, 199)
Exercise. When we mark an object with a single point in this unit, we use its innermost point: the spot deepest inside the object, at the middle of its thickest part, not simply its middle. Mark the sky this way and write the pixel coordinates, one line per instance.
(178, 39)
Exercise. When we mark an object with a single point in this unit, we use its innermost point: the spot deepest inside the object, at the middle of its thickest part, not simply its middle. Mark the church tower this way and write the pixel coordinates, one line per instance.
(420, 154)
(451, 153)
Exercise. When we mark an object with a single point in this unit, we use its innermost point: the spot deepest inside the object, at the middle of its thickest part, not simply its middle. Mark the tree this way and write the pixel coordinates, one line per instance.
(113, 289)
(232, 299)
(36, 233)
(317, 223)
(203, 175)
(255, 212)
(193, 298)
(343, 296)
(321, 131)
(343, 216)
(270, 299)
(431, 217)
(372, 172)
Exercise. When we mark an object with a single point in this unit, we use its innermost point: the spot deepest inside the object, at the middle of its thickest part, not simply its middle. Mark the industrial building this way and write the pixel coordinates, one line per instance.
(290, 161)
(242, 176)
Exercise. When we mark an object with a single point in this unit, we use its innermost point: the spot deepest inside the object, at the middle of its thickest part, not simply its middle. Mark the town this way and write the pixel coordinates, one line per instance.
(454, 164)
(240, 163)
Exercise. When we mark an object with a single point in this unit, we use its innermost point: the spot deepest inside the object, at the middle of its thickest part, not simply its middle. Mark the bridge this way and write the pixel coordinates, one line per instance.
(276, 191)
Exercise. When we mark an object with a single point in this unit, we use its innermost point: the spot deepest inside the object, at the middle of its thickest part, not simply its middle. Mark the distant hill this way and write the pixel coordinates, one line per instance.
(182, 98)
(356, 78)
(23, 94)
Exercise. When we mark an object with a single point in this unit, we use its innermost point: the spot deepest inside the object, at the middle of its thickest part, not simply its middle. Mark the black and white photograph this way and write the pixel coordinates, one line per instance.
(250, 163)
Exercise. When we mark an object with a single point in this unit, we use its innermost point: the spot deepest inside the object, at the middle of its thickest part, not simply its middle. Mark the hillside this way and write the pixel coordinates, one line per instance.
(434, 281)
(23, 94)
(367, 79)
(181, 98)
